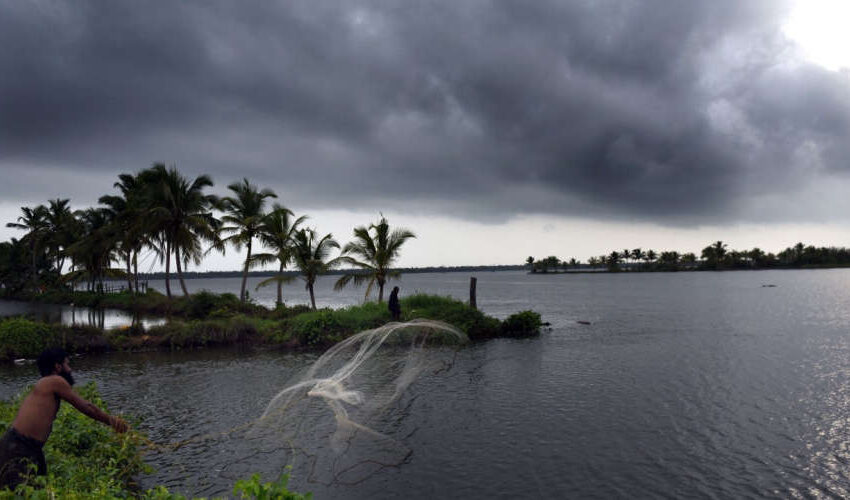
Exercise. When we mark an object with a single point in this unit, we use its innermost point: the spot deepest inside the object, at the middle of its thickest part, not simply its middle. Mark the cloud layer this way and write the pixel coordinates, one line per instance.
(656, 110)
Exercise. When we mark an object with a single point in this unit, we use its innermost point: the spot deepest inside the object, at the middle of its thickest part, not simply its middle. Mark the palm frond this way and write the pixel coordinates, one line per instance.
(282, 278)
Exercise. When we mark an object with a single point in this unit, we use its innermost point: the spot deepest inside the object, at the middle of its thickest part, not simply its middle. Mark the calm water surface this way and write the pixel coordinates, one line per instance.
(73, 315)
(689, 385)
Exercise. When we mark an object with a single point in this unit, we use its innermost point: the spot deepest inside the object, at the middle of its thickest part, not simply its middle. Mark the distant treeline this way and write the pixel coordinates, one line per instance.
(715, 257)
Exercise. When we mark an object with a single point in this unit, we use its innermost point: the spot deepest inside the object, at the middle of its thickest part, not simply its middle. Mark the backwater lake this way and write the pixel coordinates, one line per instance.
(683, 385)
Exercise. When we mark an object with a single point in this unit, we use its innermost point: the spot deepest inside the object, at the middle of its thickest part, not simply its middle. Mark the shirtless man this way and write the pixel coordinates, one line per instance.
(24, 440)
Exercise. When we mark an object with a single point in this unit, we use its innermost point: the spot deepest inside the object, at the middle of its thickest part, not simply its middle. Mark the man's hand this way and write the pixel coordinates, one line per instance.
(118, 424)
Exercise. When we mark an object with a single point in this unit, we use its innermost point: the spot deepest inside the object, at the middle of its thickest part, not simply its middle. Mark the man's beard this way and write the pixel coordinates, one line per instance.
(67, 376)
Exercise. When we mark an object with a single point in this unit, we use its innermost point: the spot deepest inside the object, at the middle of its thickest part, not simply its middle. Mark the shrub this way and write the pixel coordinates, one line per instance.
(201, 304)
(20, 337)
(206, 332)
(283, 311)
(316, 328)
(454, 312)
(522, 324)
(253, 488)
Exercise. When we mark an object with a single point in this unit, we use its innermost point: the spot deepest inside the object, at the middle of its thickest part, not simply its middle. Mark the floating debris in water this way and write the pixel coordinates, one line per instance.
(768, 286)
(583, 322)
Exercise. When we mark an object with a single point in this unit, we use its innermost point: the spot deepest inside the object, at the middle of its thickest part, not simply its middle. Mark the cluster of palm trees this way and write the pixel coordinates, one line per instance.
(648, 260)
(718, 256)
(713, 257)
(160, 211)
(636, 259)
(550, 264)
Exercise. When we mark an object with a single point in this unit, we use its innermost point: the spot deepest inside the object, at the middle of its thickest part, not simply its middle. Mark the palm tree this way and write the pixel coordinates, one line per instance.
(374, 249)
(276, 233)
(310, 254)
(719, 249)
(530, 263)
(35, 222)
(613, 261)
(638, 255)
(122, 228)
(553, 262)
(13, 265)
(245, 213)
(669, 260)
(61, 228)
(181, 217)
(130, 222)
(798, 253)
(714, 254)
(94, 251)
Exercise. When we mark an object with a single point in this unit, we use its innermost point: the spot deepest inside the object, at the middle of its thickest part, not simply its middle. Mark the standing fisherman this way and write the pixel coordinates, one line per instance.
(22, 444)
(393, 305)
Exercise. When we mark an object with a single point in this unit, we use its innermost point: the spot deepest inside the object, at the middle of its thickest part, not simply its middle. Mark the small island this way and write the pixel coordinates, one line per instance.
(714, 257)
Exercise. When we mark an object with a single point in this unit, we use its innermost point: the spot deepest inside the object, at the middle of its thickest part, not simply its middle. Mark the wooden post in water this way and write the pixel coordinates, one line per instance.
(472, 299)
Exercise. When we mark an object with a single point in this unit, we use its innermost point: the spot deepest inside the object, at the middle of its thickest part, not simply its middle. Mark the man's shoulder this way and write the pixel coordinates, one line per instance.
(50, 383)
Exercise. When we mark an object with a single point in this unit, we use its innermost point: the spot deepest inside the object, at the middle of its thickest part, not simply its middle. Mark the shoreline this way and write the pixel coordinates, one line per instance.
(690, 270)
(208, 320)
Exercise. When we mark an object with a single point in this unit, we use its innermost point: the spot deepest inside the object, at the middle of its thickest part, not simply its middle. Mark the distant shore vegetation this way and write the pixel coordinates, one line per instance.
(714, 257)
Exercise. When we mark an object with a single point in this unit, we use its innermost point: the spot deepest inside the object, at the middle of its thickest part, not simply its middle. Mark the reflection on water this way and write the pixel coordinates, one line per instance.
(70, 315)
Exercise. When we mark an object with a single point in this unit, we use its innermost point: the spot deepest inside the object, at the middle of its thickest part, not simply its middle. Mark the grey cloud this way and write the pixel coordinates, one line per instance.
(656, 109)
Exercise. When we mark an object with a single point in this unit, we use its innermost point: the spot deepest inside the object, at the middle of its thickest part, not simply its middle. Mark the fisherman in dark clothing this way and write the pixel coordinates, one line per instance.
(393, 305)
(23, 442)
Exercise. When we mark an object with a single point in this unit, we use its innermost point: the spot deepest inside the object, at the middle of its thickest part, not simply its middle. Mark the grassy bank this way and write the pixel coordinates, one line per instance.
(87, 460)
(292, 328)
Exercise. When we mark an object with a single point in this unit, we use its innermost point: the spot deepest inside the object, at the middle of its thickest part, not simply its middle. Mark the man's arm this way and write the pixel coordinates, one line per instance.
(62, 388)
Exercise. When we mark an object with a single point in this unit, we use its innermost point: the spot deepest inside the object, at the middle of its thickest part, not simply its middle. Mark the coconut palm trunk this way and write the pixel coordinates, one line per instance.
(245, 273)
(136, 269)
(168, 269)
(129, 271)
(180, 271)
(312, 295)
(280, 287)
(33, 270)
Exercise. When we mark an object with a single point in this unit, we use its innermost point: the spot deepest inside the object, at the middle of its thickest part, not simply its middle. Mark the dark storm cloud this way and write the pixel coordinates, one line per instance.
(647, 109)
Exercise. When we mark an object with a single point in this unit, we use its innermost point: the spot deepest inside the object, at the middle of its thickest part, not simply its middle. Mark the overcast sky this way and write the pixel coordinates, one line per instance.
(494, 130)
